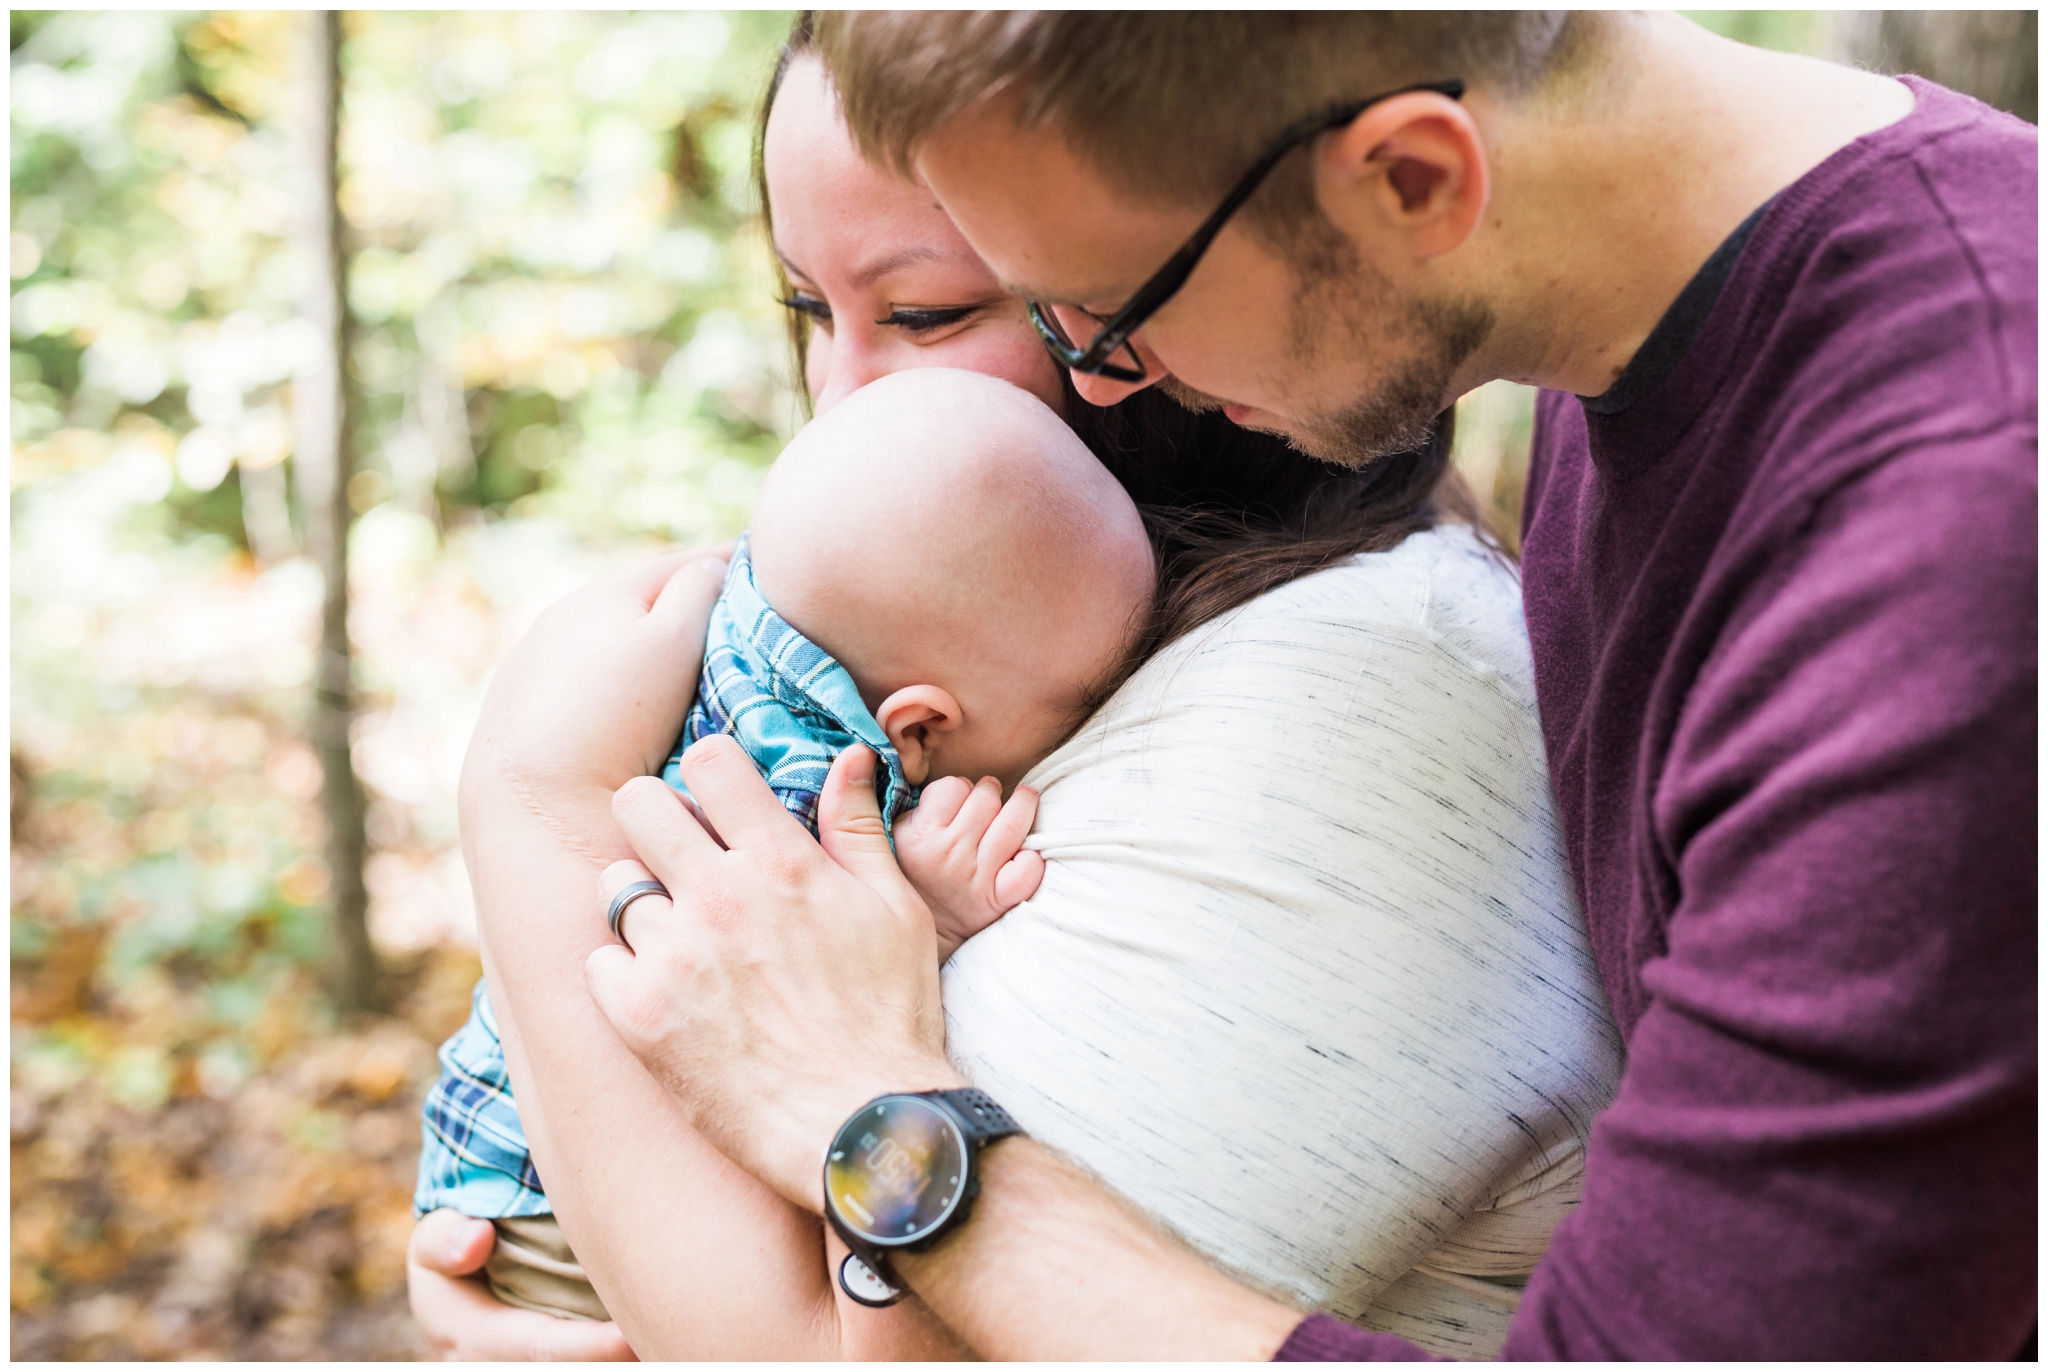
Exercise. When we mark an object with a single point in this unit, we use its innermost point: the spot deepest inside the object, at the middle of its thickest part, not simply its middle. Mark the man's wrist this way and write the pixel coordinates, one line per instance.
(1097, 1277)
(800, 1172)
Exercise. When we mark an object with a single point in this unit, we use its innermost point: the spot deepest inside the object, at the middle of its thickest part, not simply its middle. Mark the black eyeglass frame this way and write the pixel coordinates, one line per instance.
(1115, 332)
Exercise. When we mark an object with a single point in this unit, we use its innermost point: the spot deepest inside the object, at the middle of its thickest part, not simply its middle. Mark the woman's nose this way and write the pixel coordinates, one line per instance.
(853, 363)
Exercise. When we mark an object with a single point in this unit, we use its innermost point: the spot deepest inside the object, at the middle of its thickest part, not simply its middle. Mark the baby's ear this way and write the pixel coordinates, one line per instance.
(910, 718)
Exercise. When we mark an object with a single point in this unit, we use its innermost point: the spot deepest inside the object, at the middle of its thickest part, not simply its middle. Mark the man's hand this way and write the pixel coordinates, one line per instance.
(464, 1322)
(789, 983)
(963, 849)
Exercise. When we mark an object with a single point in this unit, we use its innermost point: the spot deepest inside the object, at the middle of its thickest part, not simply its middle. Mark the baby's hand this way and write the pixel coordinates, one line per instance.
(963, 849)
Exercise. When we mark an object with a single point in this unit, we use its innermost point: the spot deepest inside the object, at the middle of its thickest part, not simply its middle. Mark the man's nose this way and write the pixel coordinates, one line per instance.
(1106, 390)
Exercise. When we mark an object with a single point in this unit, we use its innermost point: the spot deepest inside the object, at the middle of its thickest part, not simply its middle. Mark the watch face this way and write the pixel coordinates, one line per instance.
(896, 1170)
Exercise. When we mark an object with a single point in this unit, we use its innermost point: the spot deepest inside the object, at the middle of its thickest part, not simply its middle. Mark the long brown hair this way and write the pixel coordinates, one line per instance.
(1232, 513)
(802, 40)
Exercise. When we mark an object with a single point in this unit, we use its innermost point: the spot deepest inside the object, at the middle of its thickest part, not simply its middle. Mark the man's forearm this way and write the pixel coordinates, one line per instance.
(1051, 1265)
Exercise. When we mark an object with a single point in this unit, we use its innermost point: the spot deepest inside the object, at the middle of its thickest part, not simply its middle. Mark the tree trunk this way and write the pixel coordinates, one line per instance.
(266, 513)
(324, 420)
(1990, 54)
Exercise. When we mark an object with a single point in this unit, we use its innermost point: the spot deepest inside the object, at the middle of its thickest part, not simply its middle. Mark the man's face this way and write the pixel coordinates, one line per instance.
(1324, 349)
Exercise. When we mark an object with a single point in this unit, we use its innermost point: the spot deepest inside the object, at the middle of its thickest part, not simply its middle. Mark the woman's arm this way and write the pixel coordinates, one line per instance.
(692, 1257)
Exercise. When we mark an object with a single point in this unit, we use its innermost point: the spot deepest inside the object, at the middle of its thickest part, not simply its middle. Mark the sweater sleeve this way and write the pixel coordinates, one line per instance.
(1824, 1141)
(1322, 1339)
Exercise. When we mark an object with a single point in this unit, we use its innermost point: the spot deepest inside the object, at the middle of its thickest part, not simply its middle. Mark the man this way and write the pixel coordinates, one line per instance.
(1780, 567)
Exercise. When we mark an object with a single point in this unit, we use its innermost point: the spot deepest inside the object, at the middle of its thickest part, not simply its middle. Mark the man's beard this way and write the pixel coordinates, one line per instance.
(1198, 402)
(1399, 414)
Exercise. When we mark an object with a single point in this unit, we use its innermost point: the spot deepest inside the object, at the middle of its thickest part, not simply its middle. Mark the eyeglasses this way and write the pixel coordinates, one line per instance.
(1094, 360)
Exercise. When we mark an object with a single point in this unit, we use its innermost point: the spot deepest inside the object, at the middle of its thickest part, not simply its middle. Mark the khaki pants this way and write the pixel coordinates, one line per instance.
(533, 1267)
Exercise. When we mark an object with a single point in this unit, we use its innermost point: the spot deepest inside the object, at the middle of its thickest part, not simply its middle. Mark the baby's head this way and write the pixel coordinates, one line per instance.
(966, 559)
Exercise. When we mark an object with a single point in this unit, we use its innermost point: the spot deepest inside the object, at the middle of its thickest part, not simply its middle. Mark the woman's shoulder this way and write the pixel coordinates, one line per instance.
(1442, 588)
(1304, 892)
(1392, 661)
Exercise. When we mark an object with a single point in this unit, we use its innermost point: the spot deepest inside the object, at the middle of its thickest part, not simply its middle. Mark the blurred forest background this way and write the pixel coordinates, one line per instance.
(562, 354)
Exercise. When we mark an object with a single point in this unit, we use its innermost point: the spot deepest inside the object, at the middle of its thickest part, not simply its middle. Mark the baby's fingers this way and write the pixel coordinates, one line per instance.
(939, 802)
(1018, 881)
(978, 811)
(1008, 830)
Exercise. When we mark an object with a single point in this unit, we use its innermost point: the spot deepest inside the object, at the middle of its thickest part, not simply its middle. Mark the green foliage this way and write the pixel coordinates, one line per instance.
(562, 311)
(1811, 32)
(567, 354)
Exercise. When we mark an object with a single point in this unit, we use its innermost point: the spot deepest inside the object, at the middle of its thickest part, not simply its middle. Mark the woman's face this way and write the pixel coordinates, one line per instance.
(887, 281)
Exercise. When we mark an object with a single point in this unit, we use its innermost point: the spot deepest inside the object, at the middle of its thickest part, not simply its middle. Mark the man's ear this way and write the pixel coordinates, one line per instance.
(1414, 166)
(910, 717)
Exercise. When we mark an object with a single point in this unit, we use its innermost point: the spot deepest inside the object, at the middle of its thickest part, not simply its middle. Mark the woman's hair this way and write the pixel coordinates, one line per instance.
(802, 40)
(1232, 513)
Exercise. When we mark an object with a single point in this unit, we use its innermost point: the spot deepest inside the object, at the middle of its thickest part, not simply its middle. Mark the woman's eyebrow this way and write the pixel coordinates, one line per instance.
(874, 270)
(787, 265)
(895, 260)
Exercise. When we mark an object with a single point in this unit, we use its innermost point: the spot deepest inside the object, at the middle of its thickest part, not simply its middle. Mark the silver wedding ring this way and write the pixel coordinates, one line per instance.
(625, 896)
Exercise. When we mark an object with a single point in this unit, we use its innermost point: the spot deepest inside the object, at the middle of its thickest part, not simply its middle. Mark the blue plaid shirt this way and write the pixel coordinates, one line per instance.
(473, 1156)
(794, 709)
(783, 697)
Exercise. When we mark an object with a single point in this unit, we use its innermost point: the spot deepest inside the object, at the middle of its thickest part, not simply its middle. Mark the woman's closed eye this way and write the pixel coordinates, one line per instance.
(912, 319)
(921, 320)
(809, 306)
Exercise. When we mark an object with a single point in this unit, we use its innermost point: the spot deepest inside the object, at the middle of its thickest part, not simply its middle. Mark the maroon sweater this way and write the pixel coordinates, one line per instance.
(1783, 613)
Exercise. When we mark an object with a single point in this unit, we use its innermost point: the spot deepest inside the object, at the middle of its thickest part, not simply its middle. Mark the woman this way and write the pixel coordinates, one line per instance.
(1313, 922)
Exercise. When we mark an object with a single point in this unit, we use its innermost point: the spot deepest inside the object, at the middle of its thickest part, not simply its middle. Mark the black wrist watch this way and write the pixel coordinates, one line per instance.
(900, 1175)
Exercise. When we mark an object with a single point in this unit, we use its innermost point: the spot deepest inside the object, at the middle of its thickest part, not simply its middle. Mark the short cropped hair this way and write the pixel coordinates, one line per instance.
(1173, 106)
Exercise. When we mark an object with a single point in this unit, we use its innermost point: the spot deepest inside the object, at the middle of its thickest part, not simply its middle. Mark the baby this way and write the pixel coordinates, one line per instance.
(938, 569)
(948, 542)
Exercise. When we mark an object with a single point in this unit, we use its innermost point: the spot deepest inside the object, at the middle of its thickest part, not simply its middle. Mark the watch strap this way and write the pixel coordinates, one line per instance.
(874, 1259)
(867, 1279)
(981, 1119)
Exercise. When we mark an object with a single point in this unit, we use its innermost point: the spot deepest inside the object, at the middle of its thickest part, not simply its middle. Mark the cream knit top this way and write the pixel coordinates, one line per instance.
(1306, 979)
